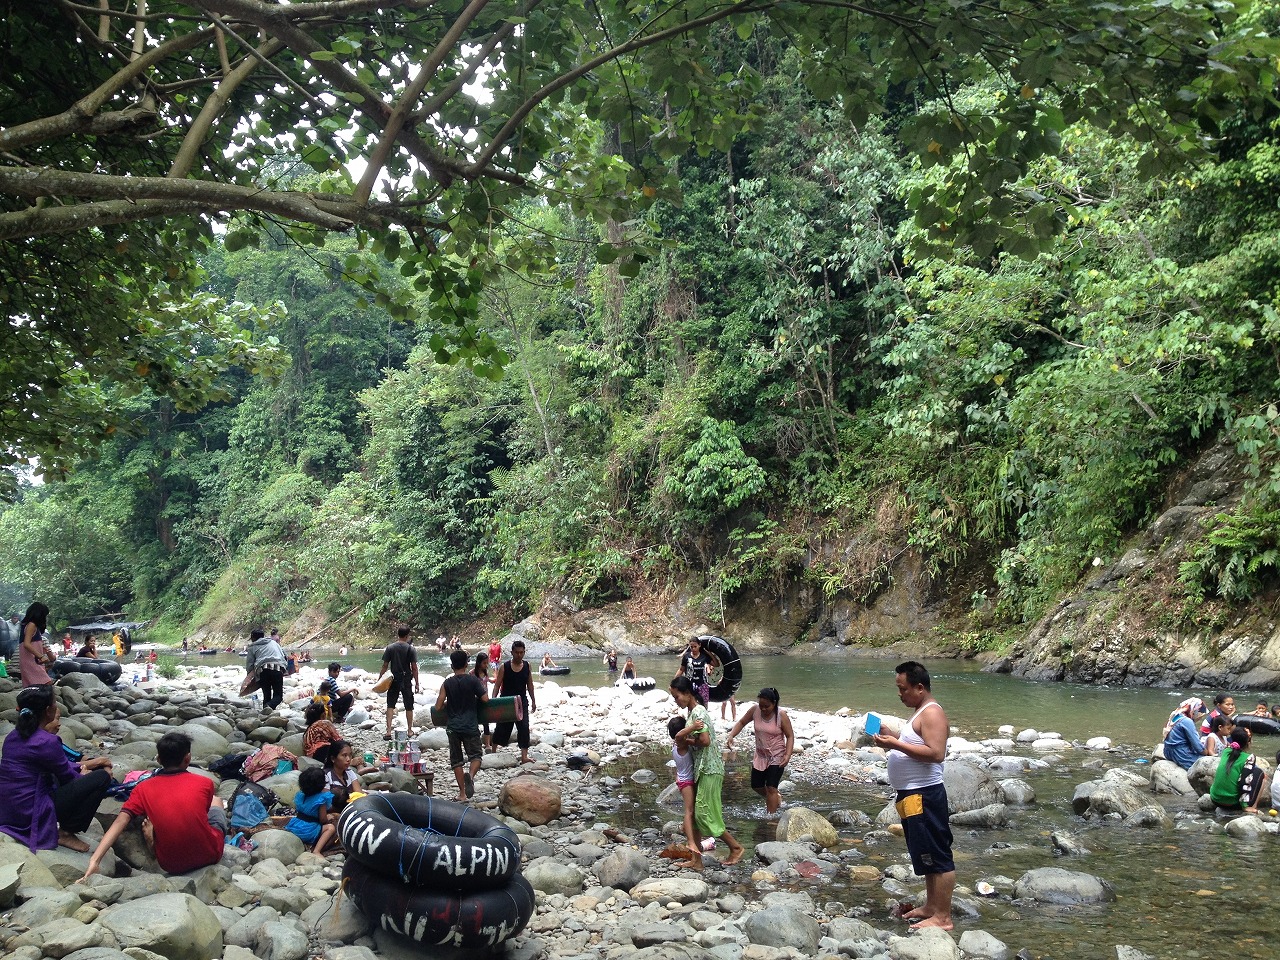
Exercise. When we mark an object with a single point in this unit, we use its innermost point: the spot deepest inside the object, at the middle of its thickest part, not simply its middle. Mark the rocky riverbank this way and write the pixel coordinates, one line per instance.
(604, 891)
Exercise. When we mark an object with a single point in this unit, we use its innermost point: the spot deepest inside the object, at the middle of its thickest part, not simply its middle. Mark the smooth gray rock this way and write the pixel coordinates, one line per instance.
(981, 945)
(1017, 792)
(335, 919)
(988, 817)
(45, 905)
(924, 945)
(1169, 778)
(969, 787)
(850, 928)
(1062, 887)
(773, 851)
(797, 822)
(783, 925)
(64, 936)
(679, 889)
(550, 876)
(1114, 798)
(281, 941)
(1247, 825)
(277, 845)
(246, 931)
(174, 925)
(1151, 816)
(652, 933)
(622, 869)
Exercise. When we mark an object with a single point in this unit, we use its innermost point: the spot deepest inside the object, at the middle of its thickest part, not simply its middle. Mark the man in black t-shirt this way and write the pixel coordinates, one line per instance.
(403, 661)
(461, 696)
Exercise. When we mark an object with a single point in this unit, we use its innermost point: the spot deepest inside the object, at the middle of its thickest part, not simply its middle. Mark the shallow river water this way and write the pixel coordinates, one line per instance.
(1186, 892)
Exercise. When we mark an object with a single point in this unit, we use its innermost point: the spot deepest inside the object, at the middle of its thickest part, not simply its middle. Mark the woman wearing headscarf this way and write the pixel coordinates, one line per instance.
(1182, 744)
(47, 798)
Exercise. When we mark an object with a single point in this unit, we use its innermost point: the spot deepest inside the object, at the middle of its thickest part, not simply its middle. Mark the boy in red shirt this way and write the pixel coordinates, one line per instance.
(184, 821)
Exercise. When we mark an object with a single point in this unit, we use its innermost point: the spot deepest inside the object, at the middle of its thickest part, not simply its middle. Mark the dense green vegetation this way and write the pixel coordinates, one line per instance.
(791, 381)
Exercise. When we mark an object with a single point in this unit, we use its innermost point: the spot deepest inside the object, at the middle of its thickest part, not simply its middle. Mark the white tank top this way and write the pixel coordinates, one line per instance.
(908, 773)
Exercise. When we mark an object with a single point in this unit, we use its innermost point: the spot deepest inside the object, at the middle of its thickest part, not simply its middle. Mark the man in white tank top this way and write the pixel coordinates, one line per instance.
(915, 772)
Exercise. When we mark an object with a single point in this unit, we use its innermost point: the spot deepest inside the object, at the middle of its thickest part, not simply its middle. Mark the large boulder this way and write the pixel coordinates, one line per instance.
(784, 925)
(64, 936)
(32, 874)
(1201, 774)
(206, 744)
(1168, 777)
(535, 800)
(174, 925)
(1110, 797)
(1062, 887)
(969, 787)
(798, 822)
(622, 869)
(988, 817)
(278, 845)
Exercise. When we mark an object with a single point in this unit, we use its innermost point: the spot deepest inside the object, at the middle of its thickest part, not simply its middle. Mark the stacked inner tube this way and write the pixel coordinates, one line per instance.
(434, 871)
(730, 667)
(108, 671)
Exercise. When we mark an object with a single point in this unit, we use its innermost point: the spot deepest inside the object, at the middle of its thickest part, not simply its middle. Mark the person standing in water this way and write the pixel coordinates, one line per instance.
(915, 771)
(775, 741)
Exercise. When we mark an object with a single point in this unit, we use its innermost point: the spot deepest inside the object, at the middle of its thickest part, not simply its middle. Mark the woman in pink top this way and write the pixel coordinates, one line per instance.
(775, 740)
(33, 655)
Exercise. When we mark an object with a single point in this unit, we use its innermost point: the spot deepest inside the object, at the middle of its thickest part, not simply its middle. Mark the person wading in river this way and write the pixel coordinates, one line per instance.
(915, 772)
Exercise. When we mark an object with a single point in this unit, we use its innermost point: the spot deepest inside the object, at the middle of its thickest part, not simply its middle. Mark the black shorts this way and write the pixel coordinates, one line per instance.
(460, 742)
(771, 776)
(927, 829)
(402, 690)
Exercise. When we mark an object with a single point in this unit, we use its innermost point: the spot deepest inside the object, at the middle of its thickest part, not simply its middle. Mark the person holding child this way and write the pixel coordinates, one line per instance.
(313, 821)
(183, 823)
(461, 697)
(708, 770)
(47, 798)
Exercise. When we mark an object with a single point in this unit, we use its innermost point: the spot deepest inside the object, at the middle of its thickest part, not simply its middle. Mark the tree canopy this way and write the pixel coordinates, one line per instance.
(133, 132)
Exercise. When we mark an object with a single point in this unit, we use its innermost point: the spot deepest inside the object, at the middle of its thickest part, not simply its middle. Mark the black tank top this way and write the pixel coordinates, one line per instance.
(515, 684)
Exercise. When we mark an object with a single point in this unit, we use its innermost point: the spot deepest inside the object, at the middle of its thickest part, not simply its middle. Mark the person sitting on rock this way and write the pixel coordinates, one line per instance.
(1182, 733)
(313, 821)
(1239, 780)
(340, 700)
(1220, 728)
(184, 824)
(47, 798)
(1223, 705)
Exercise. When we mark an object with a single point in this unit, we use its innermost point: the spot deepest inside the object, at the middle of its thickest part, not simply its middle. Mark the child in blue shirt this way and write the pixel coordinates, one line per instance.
(313, 820)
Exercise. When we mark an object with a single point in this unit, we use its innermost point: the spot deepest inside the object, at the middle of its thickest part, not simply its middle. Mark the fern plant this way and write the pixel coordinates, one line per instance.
(1238, 557)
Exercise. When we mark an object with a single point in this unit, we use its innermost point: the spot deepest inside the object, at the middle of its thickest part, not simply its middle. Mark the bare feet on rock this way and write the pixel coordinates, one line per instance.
(934, 923)
(72, 842)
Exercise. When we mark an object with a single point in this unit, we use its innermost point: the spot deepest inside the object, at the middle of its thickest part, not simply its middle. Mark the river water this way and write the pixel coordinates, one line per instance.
(1190, 891)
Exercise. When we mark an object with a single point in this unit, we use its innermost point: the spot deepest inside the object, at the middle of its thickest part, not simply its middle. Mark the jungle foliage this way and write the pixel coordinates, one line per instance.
(762, 370)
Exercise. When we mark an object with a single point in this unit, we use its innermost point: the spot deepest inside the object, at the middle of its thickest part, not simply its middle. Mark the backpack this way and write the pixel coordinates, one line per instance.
(251, 805)
(229, 766)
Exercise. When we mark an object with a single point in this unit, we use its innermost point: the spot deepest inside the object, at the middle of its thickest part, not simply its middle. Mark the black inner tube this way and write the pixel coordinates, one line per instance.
(1259, 726)
(427, 842)
(730, 667)
(484, 918)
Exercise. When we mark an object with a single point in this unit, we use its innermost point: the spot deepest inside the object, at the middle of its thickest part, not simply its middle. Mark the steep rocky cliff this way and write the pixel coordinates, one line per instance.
(1124, 625)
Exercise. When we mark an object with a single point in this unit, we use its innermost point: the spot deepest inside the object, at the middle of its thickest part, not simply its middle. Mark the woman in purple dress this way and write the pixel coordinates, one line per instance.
(47, 799)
